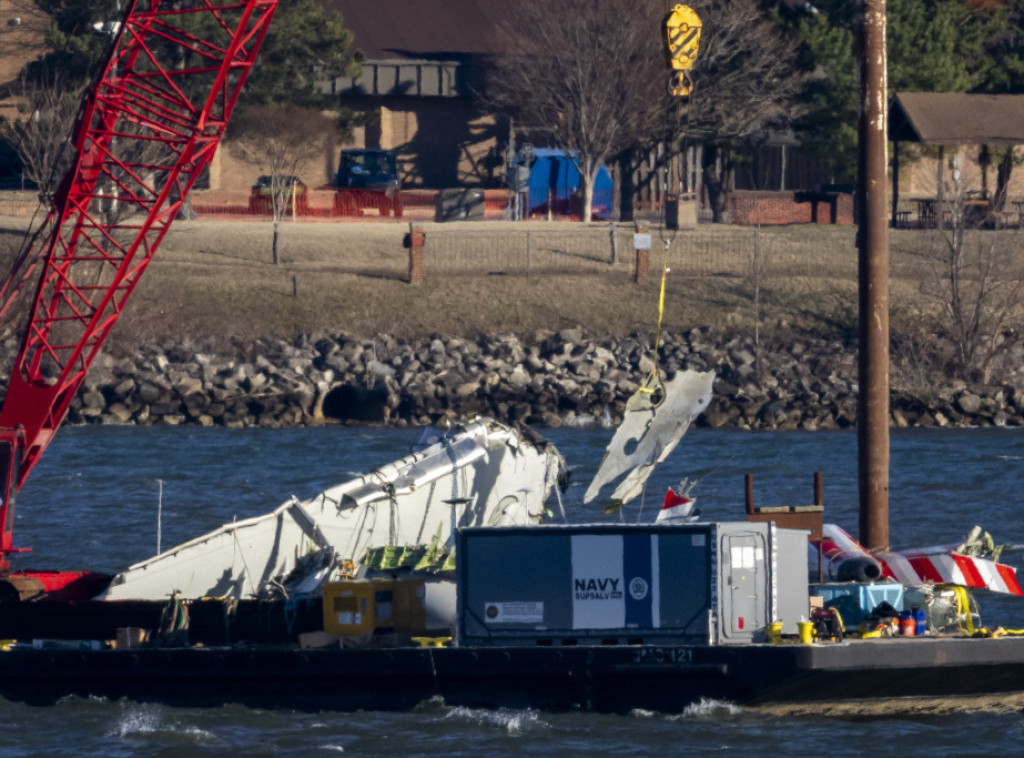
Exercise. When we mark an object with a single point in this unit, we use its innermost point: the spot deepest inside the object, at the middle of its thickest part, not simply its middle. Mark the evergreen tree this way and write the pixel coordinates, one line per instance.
(1006, 50)
(305, 43)
(78, 37)
(828, 126)
(932, 46)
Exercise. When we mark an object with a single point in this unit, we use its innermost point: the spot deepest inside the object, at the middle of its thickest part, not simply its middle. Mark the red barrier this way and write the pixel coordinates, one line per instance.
(355, 202)
(259, 204)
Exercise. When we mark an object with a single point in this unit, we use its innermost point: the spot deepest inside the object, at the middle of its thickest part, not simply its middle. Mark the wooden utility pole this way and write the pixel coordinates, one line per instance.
(873, 279)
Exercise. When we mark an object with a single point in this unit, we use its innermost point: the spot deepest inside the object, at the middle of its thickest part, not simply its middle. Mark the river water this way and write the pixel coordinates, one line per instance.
(103, 496)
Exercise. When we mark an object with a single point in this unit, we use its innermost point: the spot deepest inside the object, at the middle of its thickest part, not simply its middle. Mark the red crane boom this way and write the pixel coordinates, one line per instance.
(145, 132)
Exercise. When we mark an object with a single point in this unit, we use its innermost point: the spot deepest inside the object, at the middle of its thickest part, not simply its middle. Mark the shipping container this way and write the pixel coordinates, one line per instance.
(701, 583)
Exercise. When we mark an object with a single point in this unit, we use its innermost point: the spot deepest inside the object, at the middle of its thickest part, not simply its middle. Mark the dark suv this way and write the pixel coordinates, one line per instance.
(368, 169)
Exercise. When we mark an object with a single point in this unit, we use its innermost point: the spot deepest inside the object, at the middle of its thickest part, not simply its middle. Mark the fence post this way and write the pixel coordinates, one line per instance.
(415, 254)
(642, 245)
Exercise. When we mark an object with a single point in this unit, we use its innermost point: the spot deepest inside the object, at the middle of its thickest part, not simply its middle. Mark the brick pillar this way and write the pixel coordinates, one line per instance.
(415, 254)
(642, 245)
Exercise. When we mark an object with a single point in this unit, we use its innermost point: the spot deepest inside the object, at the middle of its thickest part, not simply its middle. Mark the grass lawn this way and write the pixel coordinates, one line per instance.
(215, 278)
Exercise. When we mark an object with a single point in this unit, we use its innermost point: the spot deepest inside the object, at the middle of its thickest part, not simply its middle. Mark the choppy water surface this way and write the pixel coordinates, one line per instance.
(93, 503)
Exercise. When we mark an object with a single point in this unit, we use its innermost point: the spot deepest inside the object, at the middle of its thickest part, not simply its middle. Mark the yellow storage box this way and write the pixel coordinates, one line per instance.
(408, 605)
(362, 606)
(350, 607)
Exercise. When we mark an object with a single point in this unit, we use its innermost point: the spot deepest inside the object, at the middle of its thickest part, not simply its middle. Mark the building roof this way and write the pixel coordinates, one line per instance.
(422, 29)
(946, 118)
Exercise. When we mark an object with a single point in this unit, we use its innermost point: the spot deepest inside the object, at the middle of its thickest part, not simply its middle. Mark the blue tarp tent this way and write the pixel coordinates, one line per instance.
(553, 175)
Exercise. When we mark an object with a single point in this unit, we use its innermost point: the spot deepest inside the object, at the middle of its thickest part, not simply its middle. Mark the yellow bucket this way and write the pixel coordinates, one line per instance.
(806, 632)
(432, 641)
(775, 632)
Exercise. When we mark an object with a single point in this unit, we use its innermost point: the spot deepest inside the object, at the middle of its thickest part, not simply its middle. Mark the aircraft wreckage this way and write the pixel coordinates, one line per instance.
(403, 515)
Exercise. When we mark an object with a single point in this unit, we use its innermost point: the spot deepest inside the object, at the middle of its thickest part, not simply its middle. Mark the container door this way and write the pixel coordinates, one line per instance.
(744, 589)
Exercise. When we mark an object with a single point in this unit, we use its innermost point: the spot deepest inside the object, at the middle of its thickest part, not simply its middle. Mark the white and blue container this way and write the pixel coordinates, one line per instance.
(702, 583)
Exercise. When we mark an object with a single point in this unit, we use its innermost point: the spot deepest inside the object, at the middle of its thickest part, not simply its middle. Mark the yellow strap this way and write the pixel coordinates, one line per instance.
(839, 618)
(964, 606)
(652, 382)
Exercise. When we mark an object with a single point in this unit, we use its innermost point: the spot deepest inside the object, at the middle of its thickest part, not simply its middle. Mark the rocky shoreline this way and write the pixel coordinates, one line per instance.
(549, 380)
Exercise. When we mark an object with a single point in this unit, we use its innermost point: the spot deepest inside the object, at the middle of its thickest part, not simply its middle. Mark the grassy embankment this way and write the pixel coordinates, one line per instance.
(214, 278)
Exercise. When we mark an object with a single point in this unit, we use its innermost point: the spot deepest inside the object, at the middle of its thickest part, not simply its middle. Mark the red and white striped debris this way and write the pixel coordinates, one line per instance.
(677, 509)
(910, 567)
(844, 559)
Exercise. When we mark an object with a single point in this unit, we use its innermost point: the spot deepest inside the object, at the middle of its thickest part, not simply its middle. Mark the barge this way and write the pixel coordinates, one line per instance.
(605, 678)
(680, 613)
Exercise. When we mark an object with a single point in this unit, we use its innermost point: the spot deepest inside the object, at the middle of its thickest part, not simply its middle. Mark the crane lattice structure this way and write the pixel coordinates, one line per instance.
(145, 132)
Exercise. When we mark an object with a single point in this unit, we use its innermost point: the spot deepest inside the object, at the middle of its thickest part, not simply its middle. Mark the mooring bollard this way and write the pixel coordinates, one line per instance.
(415, 254)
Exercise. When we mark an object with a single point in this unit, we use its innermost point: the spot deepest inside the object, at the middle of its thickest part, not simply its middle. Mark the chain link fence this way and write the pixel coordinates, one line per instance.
(596, 250)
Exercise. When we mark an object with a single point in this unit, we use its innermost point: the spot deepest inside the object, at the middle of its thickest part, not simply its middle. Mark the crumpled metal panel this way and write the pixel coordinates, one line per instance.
(648, 433)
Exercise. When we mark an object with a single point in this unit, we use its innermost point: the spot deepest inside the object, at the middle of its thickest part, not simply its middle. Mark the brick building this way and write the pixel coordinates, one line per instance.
(425, 65)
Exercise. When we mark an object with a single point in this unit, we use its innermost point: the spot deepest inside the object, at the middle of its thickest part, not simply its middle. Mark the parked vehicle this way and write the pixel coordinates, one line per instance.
(287, 185)
(368, 168)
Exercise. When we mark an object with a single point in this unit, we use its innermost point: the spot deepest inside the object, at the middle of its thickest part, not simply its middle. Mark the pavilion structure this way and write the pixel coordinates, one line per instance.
(951, 120)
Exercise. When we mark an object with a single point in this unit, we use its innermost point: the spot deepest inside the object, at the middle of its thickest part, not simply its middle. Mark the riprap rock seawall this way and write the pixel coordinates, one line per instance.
(549, 379)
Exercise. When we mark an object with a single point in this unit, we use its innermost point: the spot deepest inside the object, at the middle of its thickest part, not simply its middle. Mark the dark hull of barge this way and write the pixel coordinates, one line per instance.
(606, 678)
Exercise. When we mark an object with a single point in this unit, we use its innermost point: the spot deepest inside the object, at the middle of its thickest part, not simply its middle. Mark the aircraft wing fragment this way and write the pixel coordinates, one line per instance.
(649, 432)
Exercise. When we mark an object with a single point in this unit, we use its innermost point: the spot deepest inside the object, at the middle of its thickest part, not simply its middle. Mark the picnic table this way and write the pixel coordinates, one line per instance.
(976, 211)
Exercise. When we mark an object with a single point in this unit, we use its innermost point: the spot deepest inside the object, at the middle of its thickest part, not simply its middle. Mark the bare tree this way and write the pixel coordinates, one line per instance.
(42, 132)
(594, 74)
(759, 265)
(975, 278)
(279, 139)
(589, 72)
(746, 82)
(1006, 159)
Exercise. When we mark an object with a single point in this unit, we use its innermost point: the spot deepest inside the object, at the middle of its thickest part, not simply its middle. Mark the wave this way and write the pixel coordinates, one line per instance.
(513, 721)
(708, 708)
(136, 720)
